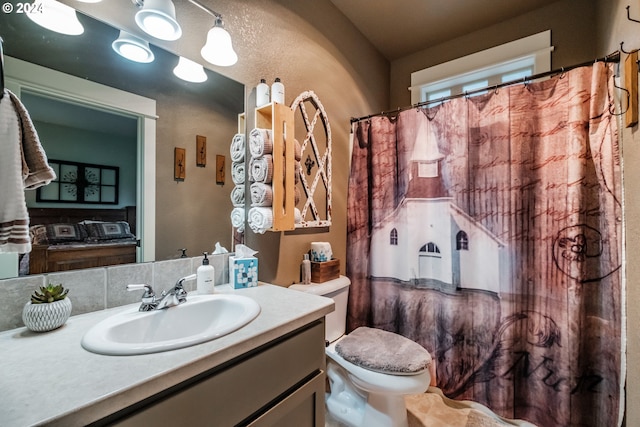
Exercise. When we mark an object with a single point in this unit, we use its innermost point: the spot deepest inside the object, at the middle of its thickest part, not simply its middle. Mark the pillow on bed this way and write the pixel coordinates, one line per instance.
(99, 231)
(38, 234)
(65, 233)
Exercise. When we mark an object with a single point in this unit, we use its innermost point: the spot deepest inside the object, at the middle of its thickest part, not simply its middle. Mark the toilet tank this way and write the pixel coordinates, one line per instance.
(338, 290)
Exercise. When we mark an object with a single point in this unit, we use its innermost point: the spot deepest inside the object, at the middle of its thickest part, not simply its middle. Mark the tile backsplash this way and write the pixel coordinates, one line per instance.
(100, 288)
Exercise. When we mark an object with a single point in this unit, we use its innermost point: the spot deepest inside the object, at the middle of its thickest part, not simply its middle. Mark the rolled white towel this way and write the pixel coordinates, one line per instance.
(261, 194)
(237, 195)
(297, 216)
(260, 219)
(237, 148)
(260, 142)
(237, 172)
(237, 219)
(262, 169)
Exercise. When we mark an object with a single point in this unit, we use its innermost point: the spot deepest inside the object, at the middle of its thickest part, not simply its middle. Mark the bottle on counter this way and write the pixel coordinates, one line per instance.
(205, 277)
(305, 270)
(262, 93)
(277, 91)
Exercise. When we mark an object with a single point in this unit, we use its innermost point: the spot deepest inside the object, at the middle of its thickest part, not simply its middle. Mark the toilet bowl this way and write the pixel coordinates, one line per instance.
(363, 391)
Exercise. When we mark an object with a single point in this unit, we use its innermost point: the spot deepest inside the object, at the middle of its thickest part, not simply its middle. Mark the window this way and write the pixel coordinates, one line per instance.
(393, 237)
(428, 170)
(508, 62)
(462, 241)
(431, 249)
(80, 183)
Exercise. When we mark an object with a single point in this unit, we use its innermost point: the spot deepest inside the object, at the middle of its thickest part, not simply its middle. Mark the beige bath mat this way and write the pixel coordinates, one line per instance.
(433, 409)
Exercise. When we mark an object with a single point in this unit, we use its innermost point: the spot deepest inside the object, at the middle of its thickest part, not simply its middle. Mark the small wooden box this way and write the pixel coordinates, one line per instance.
(325, 271)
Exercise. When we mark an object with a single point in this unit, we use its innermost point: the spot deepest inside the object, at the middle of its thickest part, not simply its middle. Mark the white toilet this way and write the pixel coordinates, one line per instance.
(368, 389)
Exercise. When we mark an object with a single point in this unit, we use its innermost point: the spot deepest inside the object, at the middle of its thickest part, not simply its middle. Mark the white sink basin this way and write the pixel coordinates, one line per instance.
(202, 318)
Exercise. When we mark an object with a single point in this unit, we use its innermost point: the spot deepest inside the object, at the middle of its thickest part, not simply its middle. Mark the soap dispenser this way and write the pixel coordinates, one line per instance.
(277, 91)
(205, 277)
(262, 93)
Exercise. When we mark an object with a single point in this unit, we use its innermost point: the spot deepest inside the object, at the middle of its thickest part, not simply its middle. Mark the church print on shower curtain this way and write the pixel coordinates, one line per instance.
(488, 229)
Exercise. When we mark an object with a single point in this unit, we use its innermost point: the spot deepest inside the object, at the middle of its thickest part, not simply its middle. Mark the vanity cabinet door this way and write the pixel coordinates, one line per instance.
(303, 408)
(280, 384)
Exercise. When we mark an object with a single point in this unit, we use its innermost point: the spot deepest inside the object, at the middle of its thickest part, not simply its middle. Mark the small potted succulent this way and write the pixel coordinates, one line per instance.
(48, 309)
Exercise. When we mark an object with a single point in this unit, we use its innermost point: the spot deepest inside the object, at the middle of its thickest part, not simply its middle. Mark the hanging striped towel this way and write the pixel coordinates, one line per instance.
(23, 165)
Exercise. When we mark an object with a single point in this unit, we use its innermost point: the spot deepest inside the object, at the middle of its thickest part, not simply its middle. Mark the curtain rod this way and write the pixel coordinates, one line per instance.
(612, 57)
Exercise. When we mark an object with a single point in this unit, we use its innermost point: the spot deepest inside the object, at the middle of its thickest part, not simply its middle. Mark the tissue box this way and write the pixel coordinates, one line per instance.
(243, 272)
(325, 271)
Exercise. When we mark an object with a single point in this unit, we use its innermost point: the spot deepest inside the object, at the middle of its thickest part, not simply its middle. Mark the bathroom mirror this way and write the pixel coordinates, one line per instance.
(192, 213)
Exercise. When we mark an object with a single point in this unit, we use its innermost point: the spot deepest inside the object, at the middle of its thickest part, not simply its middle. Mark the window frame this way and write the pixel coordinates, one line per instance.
(462, 241)
(393, 237)
(532, 51)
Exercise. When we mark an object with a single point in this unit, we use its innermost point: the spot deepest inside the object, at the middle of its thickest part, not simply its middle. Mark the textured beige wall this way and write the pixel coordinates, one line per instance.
(310, 45)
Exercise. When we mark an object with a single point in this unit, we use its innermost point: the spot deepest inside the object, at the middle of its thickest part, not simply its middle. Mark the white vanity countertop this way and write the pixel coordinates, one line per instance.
(48, 378)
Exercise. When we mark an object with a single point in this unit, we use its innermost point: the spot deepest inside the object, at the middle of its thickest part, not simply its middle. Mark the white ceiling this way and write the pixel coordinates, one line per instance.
(401, 27)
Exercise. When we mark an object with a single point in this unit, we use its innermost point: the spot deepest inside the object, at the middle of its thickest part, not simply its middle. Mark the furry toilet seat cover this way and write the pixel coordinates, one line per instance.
(383, 351)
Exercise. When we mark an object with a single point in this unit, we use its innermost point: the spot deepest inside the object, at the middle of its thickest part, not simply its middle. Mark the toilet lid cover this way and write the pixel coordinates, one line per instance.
(383, 351)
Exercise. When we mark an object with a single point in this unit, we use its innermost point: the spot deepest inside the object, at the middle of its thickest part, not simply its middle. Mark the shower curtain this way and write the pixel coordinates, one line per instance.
(489, 230)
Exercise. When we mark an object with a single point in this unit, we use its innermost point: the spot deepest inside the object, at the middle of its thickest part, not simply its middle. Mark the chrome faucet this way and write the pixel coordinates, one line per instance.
(169, 298)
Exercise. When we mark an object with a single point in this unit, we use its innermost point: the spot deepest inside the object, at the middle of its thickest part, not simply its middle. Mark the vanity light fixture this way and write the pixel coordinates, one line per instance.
(190, 71)
(132, 48)
(158, 19)
(90, 1)
(218, 49)
(57, 17)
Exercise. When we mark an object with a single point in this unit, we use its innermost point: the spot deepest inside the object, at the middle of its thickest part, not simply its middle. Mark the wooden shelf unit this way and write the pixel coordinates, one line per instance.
(280, 119)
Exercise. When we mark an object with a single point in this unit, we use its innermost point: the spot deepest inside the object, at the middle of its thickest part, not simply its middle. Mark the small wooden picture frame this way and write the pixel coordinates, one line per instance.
(220, 161)
(179, 164)
(201, 150)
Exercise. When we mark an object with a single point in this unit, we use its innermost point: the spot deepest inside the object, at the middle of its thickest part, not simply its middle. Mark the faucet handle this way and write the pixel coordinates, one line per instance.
(148, 290)
(148, 298)
(148, 295)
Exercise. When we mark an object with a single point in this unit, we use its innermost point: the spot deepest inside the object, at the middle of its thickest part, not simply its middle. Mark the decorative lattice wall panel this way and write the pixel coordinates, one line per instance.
(313, 186)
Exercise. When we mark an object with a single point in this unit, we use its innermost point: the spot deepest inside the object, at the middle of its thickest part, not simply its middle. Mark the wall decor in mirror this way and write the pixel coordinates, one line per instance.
(77, 182)
(75, 125)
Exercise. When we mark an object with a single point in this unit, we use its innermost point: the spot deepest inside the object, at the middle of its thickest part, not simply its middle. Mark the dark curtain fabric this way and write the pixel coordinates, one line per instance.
(489, 230)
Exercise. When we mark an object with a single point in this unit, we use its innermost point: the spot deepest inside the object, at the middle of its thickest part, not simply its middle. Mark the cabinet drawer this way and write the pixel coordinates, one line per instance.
(302, 408)
(237, 392)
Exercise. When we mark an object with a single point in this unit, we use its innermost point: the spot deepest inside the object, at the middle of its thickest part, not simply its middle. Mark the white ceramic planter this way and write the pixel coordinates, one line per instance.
(46, 317)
